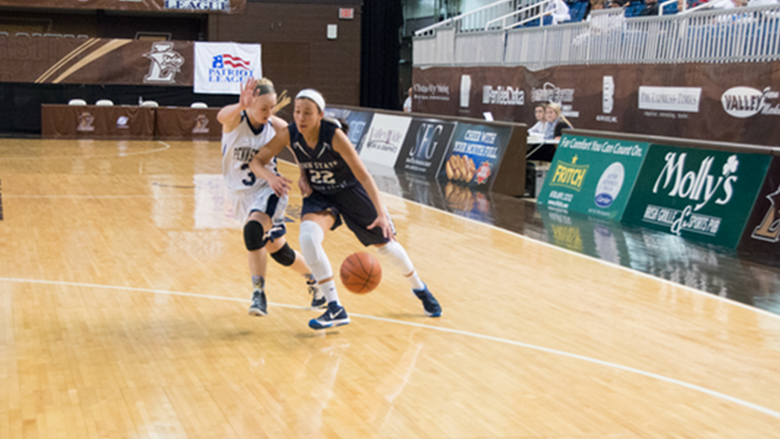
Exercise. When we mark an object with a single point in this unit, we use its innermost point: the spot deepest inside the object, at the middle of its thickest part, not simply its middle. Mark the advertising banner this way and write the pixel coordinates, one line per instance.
(475, 153)
(383, 141)
(593, 175)
(358, 122)
(425, 145)
(698, 194)
(220, 68)
(762, 232)
(199, 6)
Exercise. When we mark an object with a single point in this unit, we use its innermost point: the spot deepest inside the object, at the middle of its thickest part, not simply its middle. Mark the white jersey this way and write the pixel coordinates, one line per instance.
(238, 148)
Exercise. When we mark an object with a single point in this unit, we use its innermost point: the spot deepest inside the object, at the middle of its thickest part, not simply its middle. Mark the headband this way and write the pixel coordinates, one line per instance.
(265, 89)
(312, 95)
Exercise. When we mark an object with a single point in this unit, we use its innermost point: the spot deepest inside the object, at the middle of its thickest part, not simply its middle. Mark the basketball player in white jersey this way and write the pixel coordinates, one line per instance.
(246, 127)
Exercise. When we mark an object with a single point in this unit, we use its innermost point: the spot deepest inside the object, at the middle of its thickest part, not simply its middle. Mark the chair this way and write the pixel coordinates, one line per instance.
(199, 105)
(82, 36)
(36, 34)
(77, 102)
(68, 36)
(52, 35)
(104, 103)
(3, 33)
(22, 34)
(150, 104)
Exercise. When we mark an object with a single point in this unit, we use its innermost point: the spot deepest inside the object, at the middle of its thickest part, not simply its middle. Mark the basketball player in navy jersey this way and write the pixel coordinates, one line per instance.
(246, 128)
(337, 188)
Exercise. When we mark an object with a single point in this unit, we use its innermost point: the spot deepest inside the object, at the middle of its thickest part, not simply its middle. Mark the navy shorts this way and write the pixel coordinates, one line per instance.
(353, 205)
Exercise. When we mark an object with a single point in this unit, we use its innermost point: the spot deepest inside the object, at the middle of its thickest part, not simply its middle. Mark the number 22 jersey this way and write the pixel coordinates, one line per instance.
(326, 170)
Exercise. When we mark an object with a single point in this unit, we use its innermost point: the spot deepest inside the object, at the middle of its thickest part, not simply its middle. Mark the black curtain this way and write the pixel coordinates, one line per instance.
(379, 54)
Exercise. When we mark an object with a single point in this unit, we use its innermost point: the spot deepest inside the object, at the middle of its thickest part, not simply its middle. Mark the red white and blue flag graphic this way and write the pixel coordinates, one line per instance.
(220, 68)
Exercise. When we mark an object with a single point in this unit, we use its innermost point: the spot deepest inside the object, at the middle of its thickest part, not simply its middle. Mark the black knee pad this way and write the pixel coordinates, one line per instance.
(254, 235)
(285, 256)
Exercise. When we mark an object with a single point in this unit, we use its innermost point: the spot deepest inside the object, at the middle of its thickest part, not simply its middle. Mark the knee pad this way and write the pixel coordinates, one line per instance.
(285, 255)
(254, 235)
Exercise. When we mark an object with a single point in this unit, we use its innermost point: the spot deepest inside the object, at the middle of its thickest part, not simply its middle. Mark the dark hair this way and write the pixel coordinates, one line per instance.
(339, 122)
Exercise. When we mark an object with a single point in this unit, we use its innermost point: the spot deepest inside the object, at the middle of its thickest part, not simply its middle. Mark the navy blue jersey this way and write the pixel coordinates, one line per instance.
(326, 170)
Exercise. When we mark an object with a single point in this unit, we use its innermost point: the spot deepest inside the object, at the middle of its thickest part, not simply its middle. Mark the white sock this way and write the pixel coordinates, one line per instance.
(329, 289)
(395, 255)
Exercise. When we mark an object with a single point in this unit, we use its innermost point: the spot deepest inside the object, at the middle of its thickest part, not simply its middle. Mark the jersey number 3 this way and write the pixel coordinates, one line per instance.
(322, 177)
(250, 176)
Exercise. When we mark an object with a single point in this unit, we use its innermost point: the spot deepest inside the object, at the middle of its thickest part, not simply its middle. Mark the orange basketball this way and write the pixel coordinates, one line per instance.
(360, 273)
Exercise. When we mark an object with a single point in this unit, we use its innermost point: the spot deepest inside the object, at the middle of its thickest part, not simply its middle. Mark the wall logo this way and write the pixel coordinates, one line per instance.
(201, 125)
(426, 142)
(607, 95)
(610, 184)
(503, 96)
(570, 175)
(166, 62)
(198, 5)
(550, 93)
(430, 92)
(121, 123)
(465, 90)
(682, 99)
(744, 102)
(85, 122)
(769, 229)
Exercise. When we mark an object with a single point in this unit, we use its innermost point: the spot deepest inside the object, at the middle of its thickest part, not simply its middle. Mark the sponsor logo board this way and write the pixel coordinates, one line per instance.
(220, 68)
(744, 102)
(762, 232)
(474, 154)
(384, 139)
(425, 146)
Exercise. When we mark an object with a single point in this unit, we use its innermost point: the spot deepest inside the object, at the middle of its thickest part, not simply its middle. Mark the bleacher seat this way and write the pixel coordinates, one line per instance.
(578, 10)
(77, 101)
(199, 105)
(104, 102)
(150, 104)
(634, 8)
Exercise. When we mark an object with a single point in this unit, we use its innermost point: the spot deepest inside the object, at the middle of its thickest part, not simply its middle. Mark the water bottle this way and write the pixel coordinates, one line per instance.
(140, 100)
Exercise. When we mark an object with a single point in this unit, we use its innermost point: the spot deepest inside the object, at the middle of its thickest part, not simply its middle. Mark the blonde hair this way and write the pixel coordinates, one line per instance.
(557, 108)
(264, 86)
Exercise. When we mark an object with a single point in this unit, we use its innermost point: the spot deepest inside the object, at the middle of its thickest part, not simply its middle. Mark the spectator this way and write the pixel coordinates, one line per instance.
(540, 127)
(408, 102)
(650, 10)
(556, 121)
(560, 12)
(762, 2)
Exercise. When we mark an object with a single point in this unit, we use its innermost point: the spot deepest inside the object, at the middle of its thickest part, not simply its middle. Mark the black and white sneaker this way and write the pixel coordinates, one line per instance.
(335, 315)
(259, 306)
(318, 299)
(430, 304)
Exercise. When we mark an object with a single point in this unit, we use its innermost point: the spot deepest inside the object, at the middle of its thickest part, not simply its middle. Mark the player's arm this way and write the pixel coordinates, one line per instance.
(278, 183)
(279, 125)
(343, 146)
(230, 115)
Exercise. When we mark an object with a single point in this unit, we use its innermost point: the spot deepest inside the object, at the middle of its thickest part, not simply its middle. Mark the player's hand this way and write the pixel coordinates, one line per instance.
(383, 223)
(247, 93)
(303, 185)
(280, 185)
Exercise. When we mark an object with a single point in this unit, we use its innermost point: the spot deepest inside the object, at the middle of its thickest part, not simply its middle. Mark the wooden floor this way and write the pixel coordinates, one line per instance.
(123, 296)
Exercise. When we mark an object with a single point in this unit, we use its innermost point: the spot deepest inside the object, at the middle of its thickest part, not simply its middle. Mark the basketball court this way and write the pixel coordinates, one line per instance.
(124, 290)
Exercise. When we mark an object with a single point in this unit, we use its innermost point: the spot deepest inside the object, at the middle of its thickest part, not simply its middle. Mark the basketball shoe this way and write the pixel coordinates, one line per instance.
(259, 306)
(318, 299)
(430, 304)
(335, 315)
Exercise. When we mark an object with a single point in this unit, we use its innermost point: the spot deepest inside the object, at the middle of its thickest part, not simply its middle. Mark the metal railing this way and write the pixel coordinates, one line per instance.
(475, 20)
(747, 34)
(520, 17)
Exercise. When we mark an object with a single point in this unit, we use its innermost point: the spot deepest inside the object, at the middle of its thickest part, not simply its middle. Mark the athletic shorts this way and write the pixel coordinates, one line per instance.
(354, 206)
(263, 200)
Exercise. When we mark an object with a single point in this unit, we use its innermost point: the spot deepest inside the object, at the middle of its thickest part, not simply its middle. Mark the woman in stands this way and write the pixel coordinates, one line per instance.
(541, 123)
(247, 126)
(556, 121)
(337, 187)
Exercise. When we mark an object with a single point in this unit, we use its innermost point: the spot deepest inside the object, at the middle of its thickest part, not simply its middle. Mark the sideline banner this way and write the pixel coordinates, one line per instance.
(199, 6)
(425, 145)
(383, 141)
(475, 154)
(220, 68)
(699, 194)
(762, 232)
(593, 175)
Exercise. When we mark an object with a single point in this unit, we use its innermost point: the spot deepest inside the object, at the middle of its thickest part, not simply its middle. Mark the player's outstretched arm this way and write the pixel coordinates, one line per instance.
(230, 115)
(279, 184)
(343, 146)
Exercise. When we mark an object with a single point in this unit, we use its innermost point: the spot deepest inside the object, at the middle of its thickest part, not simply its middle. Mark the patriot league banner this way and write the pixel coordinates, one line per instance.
(698, 194)
(593, 175)
(220, 68)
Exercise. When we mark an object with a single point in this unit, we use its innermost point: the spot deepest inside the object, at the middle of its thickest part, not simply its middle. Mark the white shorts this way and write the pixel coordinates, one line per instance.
(261, 200)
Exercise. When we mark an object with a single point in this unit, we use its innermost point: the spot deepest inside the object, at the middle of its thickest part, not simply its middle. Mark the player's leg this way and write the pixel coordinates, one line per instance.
(316, 220)
(396, 256)
(284, 255)
(255, 241)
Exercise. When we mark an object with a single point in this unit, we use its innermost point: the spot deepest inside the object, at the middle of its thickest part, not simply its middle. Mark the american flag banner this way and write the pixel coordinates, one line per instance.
(221, 67)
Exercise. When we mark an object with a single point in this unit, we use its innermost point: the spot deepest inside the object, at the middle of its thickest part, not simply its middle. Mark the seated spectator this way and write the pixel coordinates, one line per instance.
(560, 12)
(540, 127)
(651, 9)
(762, 2)
(408, 102)
(556, 121)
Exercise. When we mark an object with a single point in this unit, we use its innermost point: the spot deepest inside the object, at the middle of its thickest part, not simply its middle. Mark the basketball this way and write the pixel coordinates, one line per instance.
(360, 273)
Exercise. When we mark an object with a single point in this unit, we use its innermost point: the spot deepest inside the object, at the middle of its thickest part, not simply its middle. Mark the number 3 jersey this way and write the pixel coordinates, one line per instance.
(326, 170)
(238, 148)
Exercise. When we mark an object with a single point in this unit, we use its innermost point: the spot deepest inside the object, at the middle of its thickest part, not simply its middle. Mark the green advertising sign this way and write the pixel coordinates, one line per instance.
(593, 175)
(698, 194)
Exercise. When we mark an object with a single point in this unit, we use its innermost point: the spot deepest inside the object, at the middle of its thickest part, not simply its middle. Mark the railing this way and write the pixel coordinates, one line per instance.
(475, 20)
(519, 17)
(733, 35)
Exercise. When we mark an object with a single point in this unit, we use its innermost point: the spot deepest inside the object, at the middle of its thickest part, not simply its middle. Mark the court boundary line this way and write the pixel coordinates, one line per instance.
(121, 154)
(686, 385)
